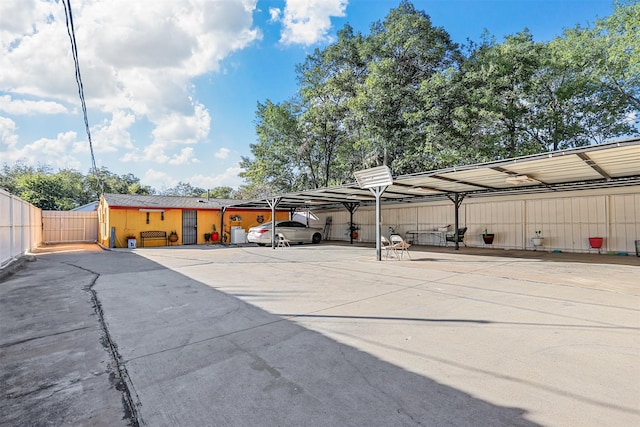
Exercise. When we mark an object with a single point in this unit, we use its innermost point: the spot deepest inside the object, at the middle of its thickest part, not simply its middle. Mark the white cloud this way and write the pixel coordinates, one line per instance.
(222, 153)
(274, 14)
(179, 128)
(228, 178)
(113, 134)
(158, 180)
(20, 107)
(186, 156)
(308, 21)
(137, 60)
(15, 17)
(8, 134)
(59, 152)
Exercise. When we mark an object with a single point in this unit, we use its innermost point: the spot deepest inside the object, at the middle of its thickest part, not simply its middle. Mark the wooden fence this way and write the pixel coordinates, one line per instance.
(69, 226)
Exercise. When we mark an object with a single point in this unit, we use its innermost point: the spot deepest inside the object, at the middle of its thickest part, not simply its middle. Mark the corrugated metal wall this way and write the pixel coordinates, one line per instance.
(68, 226)
(566, 220)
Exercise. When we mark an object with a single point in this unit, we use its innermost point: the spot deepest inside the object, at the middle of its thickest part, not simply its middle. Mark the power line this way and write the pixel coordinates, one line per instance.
(74, 51)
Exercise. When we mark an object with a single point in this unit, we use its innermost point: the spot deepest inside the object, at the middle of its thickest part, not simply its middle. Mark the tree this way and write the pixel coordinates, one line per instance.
(65, 189)
(104, 181)
(609, 52)
(184, 189)
(276, 166)
(222, 193)
(403, 51)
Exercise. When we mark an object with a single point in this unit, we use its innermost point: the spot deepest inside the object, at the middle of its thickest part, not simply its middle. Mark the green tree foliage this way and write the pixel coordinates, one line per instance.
(184, 189)
(65, 189)
(407, 97)
(404, 50)
(277, 164)
(609, 52)
(104, 181)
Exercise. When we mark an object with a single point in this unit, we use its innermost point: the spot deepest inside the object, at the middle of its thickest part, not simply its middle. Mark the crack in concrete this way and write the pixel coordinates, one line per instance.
(130, 398)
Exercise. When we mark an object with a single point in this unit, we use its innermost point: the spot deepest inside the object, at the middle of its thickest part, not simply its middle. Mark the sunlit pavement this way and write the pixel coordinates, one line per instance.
(326, 335)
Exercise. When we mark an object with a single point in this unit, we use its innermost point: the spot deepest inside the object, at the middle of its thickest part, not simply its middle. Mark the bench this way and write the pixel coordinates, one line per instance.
(153, 235)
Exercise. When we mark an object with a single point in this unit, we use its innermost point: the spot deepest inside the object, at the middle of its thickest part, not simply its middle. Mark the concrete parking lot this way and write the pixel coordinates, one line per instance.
(321, 335)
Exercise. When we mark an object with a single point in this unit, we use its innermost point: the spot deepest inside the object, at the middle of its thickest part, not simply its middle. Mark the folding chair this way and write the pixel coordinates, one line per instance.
(282, 242)
(389, 250)
(398, 243)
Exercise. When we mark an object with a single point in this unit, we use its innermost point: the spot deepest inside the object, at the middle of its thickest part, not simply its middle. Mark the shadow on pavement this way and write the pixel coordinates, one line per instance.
(196, 356)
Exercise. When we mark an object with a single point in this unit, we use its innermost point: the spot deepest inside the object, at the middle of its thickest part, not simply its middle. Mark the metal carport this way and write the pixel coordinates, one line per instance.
(607, 165)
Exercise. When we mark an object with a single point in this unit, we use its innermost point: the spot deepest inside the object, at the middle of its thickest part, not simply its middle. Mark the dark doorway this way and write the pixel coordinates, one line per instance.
(189, 227)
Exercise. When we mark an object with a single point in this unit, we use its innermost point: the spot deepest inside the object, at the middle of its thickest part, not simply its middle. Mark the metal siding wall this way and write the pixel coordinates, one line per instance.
(625, 221)
(504, 219)
(567, 220)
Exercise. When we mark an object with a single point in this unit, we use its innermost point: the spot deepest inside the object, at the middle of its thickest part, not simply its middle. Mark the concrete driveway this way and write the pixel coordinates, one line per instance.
(324, 335)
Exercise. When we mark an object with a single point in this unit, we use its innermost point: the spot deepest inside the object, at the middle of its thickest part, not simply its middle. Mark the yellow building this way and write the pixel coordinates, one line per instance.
(152, 220)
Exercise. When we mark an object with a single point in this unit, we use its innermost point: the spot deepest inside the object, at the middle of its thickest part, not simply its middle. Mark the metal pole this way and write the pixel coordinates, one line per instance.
(377, 192)
(457, 201)
(273, 203)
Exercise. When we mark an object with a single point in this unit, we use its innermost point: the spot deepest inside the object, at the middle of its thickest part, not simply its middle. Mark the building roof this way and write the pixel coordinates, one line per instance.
(165, 202)
(89, 207)
(607, 165)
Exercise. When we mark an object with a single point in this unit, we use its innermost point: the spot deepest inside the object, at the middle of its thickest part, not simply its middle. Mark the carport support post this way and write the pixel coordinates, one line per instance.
(457, 201)
(272, 204)
(377, 192)
(351, 207)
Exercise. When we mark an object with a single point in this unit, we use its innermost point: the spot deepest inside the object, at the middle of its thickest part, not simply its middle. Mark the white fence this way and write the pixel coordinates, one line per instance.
(69, 226)
(20, 227)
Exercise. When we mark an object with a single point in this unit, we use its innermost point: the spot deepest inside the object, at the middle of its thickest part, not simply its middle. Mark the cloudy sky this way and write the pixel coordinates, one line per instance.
(171, 86)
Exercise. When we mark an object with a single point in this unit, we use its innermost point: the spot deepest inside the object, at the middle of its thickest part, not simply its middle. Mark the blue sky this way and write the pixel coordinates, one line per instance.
(172, 87)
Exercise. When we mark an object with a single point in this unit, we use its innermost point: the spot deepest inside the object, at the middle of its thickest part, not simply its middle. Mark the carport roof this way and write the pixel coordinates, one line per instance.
(605, 165)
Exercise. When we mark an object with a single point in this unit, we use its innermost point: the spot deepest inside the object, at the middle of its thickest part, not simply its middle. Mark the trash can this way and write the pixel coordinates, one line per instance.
(238, 235)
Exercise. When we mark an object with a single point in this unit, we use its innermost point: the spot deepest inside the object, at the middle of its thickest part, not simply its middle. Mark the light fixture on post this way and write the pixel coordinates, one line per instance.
(376, 180)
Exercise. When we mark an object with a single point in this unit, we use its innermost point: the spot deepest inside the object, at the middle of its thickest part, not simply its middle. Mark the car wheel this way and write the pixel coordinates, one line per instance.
(316, 238)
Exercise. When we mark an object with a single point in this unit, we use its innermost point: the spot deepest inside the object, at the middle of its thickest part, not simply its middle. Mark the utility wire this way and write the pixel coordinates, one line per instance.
(74, 51)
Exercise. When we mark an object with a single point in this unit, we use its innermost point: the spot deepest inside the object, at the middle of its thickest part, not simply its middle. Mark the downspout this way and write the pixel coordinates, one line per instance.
(223, 237)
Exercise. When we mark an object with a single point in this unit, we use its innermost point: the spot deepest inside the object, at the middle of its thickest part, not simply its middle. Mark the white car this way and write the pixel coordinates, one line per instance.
(294, 231)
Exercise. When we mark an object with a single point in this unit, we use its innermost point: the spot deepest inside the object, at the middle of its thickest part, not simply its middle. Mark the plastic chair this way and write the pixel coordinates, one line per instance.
(451, 237)
(399, 245)
(282, 242)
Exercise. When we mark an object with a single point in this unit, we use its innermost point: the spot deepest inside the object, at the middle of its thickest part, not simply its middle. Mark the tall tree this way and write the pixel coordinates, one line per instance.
(276, 166)
(403, 51)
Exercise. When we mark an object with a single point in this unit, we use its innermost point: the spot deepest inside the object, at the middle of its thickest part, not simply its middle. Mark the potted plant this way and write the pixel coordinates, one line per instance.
(537, 240)
(488, 237)
(214, 235)
(353, 229)
(173, 237)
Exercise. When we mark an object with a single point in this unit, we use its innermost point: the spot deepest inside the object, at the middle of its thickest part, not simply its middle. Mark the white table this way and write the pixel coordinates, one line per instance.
(438, 235)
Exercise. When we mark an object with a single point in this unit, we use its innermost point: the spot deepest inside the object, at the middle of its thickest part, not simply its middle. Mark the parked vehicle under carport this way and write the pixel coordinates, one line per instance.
(294, 231)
